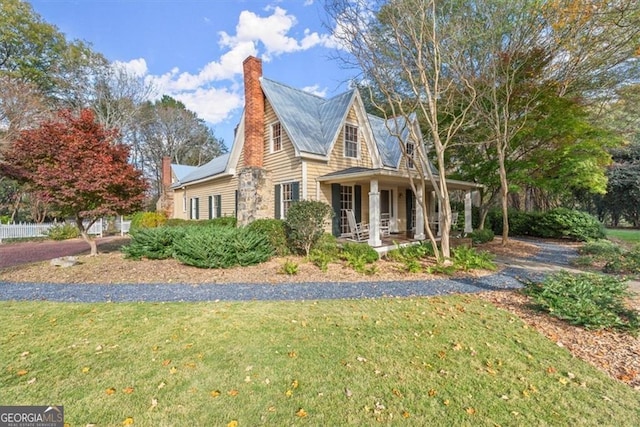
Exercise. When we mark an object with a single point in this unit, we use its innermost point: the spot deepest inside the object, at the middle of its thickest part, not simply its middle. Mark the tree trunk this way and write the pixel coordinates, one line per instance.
(504, 192)
(86, 237)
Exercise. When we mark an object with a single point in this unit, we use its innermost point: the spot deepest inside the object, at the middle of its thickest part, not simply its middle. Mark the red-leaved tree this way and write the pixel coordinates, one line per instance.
(78, 168)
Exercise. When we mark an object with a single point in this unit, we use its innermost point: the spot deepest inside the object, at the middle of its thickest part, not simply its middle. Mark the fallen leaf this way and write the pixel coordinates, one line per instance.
(86, 370)
(98, 348)
(22, 372)
(396, 392)
(24, 354)
(32, 381)
(288, 393)
(301, 413)
(127, 390)
(188, 345)
(154, 403)
(173, 370)
(348, 392)
(233, 392)
(405, 414)
(294, 384)
(446, 402)
(551, 370)
(292, 354)
(271, 409)
(128, 421)
(166, 362)
(247, 379)
(432, 392)
(215, 393)
(110, 391)
(161, 385)
(155, 348)
(361, 359)
(470, 411)
(232, 423)
(457, 347)
(191, 365)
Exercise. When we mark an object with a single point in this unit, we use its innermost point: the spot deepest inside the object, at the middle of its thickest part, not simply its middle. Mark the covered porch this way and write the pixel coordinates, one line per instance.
(384, 200)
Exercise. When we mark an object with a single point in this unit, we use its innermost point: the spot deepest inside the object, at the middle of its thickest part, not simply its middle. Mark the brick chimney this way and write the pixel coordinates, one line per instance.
(255, 189)
(254, 113)
(166, 173)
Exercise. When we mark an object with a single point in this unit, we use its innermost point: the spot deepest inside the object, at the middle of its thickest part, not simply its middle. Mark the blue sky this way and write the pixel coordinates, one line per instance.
(193, 49)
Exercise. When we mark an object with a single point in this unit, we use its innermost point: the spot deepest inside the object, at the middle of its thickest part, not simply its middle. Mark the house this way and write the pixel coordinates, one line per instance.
(292, 145)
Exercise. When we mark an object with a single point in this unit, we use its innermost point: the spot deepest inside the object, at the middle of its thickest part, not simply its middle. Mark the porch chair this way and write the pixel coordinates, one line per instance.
(359, 230)
(384, 224)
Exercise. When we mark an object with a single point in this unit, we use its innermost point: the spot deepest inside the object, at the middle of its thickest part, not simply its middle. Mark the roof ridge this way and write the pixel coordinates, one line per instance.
(295, 89)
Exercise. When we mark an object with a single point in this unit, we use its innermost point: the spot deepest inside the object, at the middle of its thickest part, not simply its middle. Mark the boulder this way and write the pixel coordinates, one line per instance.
(67, 261)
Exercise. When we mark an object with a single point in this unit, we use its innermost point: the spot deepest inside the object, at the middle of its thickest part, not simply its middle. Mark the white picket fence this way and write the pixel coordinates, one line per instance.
(30, 230)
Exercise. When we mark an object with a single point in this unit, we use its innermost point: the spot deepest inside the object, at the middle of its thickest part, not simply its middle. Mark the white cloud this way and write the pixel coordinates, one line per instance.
(315, 89)
(213, 92)
(135, 67)
(213, 105)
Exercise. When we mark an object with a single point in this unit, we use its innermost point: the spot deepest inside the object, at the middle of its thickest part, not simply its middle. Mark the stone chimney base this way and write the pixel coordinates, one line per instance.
(255, 195)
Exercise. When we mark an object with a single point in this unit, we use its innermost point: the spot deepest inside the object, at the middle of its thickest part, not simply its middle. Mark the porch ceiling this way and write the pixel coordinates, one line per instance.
(386, 176)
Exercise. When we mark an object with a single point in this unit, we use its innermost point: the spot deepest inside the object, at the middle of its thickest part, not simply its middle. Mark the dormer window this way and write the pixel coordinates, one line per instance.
(351, 141)
(276, 137)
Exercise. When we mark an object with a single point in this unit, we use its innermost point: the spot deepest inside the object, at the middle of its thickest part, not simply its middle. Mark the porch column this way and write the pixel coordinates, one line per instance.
(374, 214)
(468, 225)
(420, 201)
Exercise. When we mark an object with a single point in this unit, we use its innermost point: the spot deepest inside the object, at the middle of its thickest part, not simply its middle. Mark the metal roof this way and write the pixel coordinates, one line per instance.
(214, 167)
(181, 171)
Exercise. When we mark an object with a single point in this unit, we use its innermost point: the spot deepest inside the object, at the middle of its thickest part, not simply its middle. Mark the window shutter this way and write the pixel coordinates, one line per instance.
(336, 205)
(218, 206)
(197, 200)
(277, 194)
(409, 201)
(357, 202)
(236, 202)
(210, 207)
(295, 189)
(191, 208)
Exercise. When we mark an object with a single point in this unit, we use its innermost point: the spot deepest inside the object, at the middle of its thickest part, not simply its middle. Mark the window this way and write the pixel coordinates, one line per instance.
(346, 202)
(215, 206)
(287, 197)
(351, 141)
(195, 208)
(285, 194)
(276, 137)
(410, 153)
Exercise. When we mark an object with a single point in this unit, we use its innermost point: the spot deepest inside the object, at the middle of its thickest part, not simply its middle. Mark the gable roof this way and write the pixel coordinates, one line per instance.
(309, 120)
(181, 171)
(213, 167)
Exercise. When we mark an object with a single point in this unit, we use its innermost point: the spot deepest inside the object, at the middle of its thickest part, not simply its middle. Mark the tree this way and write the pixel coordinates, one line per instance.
(408, 51)
(623, 191)
(74, 165)
(168, 128)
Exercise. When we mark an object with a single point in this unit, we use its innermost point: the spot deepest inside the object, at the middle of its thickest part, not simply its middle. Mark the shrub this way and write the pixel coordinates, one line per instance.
(305, 223)
(152, 243)
(556, 223)
(325, 251)
(358, 255)
(290, 267)
(274, 231)
(481, 236)
(148, 220)
(223, 221)
(601, 248)
(221, 247)
(567, 223)
(625, 263)
(594, 301)
(470, 259)
(63, 232)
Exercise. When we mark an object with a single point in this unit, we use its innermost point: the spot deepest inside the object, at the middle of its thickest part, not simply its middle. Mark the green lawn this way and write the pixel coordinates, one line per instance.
(627, 235)
(422, 361)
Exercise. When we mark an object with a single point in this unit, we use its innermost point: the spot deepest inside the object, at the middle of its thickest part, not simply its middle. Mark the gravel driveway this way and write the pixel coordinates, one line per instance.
(551, 257)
